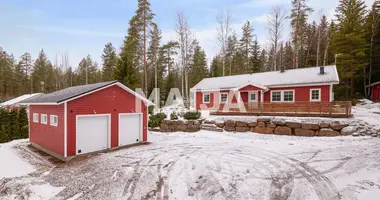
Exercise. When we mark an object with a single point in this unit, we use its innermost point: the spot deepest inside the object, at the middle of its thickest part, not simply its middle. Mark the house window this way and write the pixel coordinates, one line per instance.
(288, 96)
(35, 117)
(252, 97)
(206, 98)
(53, 120)
(223, 97)
(276, 96)
(44, 119)
(315, 95)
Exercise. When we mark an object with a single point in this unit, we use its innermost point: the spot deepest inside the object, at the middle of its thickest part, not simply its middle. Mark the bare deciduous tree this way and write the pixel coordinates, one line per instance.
(223, 32)
(185, 39)
(275, 28)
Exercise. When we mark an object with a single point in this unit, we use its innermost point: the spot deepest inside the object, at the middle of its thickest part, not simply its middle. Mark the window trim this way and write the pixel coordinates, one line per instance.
(36, 120)
(220, 97)
(319, 94)
(51, 121)
(282, 96)
(42, 115)
(203, 97)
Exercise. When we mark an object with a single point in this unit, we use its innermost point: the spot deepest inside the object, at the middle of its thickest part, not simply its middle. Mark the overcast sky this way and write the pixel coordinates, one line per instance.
(82, 27)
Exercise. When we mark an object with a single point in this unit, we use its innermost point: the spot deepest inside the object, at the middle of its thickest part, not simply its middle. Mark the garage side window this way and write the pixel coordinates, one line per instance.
(43, 118)
(53, 120)
(35, 117)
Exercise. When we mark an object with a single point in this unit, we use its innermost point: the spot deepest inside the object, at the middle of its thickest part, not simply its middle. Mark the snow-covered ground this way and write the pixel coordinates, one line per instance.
(208, 165)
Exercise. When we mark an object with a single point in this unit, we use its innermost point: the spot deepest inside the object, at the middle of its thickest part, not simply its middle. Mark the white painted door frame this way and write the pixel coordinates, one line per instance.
(92, 115)
(141, 124)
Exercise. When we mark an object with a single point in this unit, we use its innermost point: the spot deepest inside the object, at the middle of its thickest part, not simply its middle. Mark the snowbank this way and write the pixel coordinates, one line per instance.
(13, 166)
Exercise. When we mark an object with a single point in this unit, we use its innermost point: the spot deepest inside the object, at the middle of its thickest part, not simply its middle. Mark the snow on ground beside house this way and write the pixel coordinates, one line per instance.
(45, 191)
(367, 111)
(209, 165)
(12, 165)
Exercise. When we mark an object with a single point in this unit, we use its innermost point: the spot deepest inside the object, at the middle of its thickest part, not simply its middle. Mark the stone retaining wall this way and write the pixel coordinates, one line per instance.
(182, 126)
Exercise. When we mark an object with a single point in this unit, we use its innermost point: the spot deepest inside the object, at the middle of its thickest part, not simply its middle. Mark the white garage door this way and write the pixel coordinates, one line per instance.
(130, 128)
(92, 133)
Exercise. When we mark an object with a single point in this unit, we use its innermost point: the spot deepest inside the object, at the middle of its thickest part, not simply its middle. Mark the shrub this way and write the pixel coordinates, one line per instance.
(155, 120)
(192, 115)
(173, 116)
(150, 109)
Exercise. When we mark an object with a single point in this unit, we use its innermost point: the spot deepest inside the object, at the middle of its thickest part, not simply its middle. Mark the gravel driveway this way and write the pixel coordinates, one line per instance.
(207, 165)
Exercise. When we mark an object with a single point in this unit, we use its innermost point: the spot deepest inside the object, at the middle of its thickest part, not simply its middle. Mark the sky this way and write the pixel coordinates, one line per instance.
(82, 27)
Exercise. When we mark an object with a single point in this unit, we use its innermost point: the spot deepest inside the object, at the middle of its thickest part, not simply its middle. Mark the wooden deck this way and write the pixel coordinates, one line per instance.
(336, 109)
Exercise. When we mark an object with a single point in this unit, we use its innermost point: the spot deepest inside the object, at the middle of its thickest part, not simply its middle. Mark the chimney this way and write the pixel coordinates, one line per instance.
(282, 69)
(322, 70)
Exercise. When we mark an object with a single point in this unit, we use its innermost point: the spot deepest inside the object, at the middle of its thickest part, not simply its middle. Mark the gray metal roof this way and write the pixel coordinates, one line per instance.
(66, 94)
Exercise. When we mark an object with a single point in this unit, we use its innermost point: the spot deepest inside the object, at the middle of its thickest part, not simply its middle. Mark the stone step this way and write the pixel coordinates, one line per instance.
(214, 129)
(209, 126)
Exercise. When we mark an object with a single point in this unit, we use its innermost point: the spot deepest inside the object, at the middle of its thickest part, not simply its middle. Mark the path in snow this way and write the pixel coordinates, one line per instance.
(207, 165)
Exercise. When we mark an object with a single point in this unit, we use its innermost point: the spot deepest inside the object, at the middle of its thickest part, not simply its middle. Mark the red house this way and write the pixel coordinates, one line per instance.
(375, 91)
(313, 84)
(87, 118)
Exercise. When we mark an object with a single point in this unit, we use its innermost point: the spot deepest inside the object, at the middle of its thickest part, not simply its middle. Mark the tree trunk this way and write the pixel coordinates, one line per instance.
(318, 45)
(326, 51)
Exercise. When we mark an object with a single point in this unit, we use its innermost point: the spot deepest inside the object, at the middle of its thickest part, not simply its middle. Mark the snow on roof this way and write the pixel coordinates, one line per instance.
(271, 79)
(15, 101)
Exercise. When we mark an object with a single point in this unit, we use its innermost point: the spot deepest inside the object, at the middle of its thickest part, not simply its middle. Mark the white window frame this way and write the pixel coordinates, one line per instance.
(203, 97)
(319, 94)
(52, 121)
(256, 95)
(42, 117)
(36, 117)
(282, 92)
(220, 97)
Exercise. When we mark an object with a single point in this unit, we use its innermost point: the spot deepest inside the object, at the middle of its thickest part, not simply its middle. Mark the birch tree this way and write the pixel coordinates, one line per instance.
(275, 28)
(223, 33)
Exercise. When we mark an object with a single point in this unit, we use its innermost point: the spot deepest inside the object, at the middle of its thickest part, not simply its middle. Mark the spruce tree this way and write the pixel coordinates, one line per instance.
(153, 58)
(40, 72)
(255, 58)
(23, 123)
(109, 62)
(246, 43)
(198, 69)
(349, 43)
(216, 67)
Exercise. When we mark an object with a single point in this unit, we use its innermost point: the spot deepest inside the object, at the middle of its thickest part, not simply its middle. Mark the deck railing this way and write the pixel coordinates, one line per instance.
(317, 109)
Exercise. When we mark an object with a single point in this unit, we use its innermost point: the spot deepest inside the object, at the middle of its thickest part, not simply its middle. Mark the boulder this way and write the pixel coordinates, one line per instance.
(337, 126)
(241, 123)
(308, 126)
(263, 120)
(374, 135)
(261, 124)
(164, 126)
(196, 122)
(180, 122)
(356, 134)
(304, 132)
(294, 124)
(229, 123)
(324, 125)
(279, 122)
(349, 130)
(242, 128)
(283, 130)
(328, 132)
(166, 121)
(219, 124)
(270, 125)
(252, 124)
(263, 130)
(209, 122)
(182, 127)
(229, 128)
(188, 122)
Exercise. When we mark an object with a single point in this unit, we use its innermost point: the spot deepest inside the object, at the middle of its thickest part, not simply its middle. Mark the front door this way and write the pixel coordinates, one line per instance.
(253, 97)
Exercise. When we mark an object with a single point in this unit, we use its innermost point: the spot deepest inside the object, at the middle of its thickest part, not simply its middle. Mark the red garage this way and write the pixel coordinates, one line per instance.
(375, 91)
(87, 118)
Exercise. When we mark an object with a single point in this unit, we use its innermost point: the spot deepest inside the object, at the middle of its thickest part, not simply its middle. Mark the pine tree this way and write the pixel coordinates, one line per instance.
(299, 14)
(349, 42)
(26, 68)
(6, 72)
(246, 43)
(255, 58)
(216, 67)
(129, 62)
(264, 60)
(198, 70)
(153, 57)
(40, 72)
(288, 56)
(109, 62)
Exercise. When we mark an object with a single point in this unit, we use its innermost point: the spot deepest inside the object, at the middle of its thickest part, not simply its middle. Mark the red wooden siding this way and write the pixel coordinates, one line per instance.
(376, 92)
(301, 94)
(213, 95)
(45, 135)
(112, 100)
